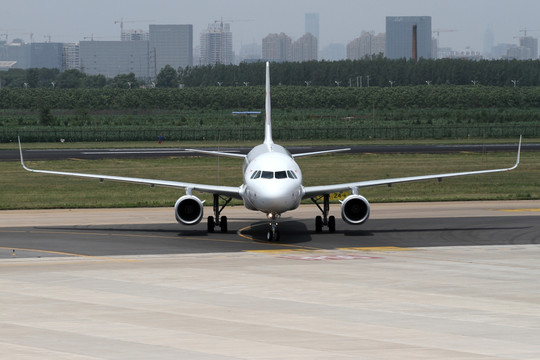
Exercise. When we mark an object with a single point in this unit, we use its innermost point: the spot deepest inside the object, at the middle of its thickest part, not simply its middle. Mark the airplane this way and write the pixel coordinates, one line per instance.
(272, 185)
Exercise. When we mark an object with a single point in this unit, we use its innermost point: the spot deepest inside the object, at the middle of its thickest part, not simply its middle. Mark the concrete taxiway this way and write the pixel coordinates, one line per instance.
(432, 281)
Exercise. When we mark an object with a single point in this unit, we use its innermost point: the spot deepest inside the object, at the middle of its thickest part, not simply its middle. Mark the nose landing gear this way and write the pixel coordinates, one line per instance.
(273, 233)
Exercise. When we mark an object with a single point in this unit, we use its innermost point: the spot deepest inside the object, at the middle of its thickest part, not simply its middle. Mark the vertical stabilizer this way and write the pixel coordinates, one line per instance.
(268, 112)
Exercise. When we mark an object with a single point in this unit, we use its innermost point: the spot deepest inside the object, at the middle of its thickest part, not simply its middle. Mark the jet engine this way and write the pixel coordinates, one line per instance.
(355, 209)
(188, 210)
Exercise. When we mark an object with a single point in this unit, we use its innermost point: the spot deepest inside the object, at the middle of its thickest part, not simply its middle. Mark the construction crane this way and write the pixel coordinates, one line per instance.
(524, 31)
(230, 21)
(122, 21)
(439, 31)
(92, 37)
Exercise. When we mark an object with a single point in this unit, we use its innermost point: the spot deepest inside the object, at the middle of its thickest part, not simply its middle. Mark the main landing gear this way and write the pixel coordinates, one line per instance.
(325, 220)
(216, 220)
(273, 233)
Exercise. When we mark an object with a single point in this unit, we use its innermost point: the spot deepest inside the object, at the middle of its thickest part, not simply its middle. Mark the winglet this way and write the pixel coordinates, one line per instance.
(20, 151)
(268, 113)
(518, 154)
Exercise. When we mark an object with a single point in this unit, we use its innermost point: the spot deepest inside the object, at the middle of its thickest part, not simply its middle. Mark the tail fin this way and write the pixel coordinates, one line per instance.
(268, 112)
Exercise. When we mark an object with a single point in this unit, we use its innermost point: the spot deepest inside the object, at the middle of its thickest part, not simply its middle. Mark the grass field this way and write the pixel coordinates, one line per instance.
(24, 190)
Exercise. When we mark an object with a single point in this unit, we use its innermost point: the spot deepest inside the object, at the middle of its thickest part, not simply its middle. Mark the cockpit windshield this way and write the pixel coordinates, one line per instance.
(284, 174)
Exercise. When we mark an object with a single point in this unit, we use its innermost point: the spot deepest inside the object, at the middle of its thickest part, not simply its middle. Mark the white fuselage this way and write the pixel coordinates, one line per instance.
(272, 180)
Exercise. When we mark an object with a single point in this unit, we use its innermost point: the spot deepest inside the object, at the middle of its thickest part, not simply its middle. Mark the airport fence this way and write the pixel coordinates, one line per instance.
(73, 134)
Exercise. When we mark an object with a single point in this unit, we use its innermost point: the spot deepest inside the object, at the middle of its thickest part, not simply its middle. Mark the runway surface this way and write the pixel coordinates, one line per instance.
(420, 280)
(63, 154)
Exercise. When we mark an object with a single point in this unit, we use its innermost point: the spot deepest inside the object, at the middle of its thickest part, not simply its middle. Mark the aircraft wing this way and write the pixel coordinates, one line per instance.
(319, 152)
(311, 191)
(217, 153)
(229, 191)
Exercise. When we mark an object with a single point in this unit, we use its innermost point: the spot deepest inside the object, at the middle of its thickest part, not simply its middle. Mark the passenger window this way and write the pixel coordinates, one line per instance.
(281, 174)
(267, 175)
(291, 174)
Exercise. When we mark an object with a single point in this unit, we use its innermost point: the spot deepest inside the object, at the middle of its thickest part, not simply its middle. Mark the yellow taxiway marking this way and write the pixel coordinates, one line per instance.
(378, 248)
(518, 210)
(91, 257)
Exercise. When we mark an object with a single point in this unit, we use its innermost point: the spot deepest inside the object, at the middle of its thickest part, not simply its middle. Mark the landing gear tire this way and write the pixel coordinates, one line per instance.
(272, 235)
(318, 224)
(211, 224)
(223, 224)
(332, 224)
(324, 220)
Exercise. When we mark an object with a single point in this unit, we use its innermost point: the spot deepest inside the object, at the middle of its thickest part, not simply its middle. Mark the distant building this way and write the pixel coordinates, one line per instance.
(17, 51)
(250, 53)
(333, 52)
(305, 48)
(312, 24)
(367, 44)
(111, 58)
(46, 55)
(277, 48)
(399, 36)
(216, 45)
(170, 45)
(500, 51)
(33, 55)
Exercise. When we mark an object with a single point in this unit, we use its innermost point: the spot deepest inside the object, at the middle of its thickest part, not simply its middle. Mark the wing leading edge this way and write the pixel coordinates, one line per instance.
(311, 191)
(230, 191)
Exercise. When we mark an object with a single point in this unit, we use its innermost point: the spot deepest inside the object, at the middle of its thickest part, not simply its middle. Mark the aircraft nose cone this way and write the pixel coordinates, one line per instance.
(275, 197)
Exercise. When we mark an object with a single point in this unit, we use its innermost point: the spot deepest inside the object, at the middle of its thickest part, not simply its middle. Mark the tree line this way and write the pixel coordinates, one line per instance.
(283, 97)
(369, 72)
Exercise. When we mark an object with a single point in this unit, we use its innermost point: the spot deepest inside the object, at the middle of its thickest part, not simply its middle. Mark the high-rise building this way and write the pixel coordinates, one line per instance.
(312, 24)
(399, 37)
(277, 48)
(489, 40)
(305, 48)
(367, 44)
(531, 43)
(135, 35)
(170, 45)
(71, 58)
(216, 45)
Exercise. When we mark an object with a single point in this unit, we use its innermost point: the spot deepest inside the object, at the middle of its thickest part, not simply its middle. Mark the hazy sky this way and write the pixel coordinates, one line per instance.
(340, 21)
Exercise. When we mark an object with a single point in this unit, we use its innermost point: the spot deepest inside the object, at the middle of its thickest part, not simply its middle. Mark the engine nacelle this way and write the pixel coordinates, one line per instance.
(188, 210)
(355, 209)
